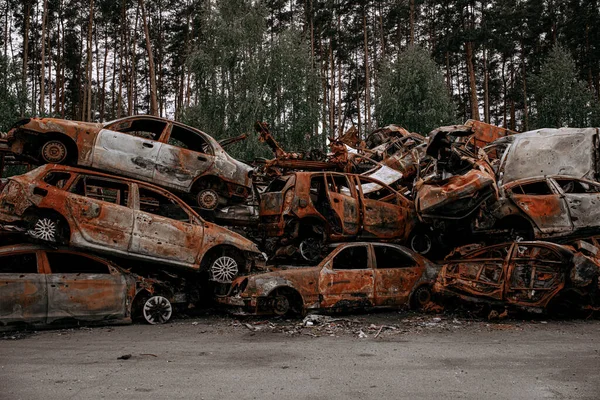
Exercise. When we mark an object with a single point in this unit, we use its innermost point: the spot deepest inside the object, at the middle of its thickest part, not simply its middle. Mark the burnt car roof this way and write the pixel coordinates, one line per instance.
(564, 251)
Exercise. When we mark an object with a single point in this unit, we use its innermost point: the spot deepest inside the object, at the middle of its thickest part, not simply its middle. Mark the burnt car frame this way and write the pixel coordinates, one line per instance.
(534, 276)
(306, 209)
(548, 207)
(354, 275)
(123, 217)
(40, 285)
(163, 152)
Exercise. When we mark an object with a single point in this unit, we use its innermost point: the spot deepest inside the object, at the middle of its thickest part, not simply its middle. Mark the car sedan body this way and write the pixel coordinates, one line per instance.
(119, 216)
(39, 286)
(164, 152)
(353, 275)
(524, 275)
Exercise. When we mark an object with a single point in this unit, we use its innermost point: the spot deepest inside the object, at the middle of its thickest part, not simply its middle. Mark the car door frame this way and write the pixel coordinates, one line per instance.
(39, 281)
(194, 230)
(523, 203)
(89, 209)
(132, 164)
(347, 202)
(574, 200)
(81, 295)
(399, 281)
(343, 281)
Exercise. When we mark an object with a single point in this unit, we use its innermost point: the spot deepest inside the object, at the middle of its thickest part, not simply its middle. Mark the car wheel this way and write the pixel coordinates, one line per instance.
(224, 269)
(311, 249)
(157, 310)
(54, 152)
(207, 199)
(46, 228)
(280, 304)
(421, 297)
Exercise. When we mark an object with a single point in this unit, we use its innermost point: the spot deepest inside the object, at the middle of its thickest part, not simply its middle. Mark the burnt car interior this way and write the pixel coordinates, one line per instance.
(189, 140)
(355, 257)
(102, 189)
(145, 128)
(157, 204)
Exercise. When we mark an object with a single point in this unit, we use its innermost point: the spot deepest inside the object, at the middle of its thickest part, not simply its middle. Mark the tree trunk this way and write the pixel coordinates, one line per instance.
(412, 22)
(367, 75)
(472, 83)
(26, 21)
(153, 103)
(486, 89)
(43, 60)
(88, 68)
(103, 90)
(525, 105)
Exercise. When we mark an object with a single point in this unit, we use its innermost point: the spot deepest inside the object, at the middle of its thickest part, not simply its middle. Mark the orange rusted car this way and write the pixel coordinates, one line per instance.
(535, 276)
(152, 149)
(39, 285)
(354, 275)
(306, 209)
(122, 217)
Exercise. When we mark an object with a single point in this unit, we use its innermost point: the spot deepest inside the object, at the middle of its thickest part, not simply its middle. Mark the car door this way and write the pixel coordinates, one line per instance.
(165, 229)
(83, 288)
(535, 274)
(129, 147)
(544, 206)
(385, 214)
(23, 292)
(583, 200)
(100, 210)
(347, 279)
(343, 203)
(396, 273)
(184, 156)
(479, 274)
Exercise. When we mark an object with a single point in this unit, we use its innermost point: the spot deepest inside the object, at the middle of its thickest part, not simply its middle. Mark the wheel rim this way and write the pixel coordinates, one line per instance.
(208, 199)
(421, 243)
(310, 249)
(224, 269)
(157, 310)
(281, 305)
(45, 229)
(422, 297)
(54, 151)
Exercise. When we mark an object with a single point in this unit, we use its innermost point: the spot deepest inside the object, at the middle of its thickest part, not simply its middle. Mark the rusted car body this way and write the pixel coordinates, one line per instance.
(548, 207)
(152, 149)
(525, 275)
(354, 275)
(39, 285)
(333, 207)
(565, 151)
(122, 217)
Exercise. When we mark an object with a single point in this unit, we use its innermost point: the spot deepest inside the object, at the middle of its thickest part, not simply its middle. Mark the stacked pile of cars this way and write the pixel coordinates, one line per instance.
(166, 216)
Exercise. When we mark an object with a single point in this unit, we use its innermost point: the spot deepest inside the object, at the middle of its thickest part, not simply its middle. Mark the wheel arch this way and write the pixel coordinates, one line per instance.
(35, 211)
(72, 149)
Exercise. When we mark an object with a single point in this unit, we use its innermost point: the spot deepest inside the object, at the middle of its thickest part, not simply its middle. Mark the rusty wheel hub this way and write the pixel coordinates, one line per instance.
(421, 243)
(54, 151)
(311, 249)
(281, 305)
(208, 199)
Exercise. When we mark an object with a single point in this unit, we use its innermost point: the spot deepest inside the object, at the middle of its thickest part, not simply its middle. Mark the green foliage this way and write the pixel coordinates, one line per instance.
(413, 93)
(242, 75)
(560, 98)
(9, 93)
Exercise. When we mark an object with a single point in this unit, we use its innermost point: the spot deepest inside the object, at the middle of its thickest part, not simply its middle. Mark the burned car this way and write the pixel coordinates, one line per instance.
(306, 209)
(534, 276)
(353, 275)
(122, 217)
(39, 285)
(152, 149)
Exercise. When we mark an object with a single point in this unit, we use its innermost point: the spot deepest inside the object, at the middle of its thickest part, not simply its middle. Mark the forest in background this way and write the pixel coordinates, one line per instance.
(310, 68)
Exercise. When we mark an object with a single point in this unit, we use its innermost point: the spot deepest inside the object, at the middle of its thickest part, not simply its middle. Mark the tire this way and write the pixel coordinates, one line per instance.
(54, 151)
(207, 199)
(286, 302)
(311, 249)
(420, 297)
(421, 241)
(156, 309)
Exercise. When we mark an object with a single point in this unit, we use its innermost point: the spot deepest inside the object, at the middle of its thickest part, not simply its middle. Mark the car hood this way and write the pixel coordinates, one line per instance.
(54, 125)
